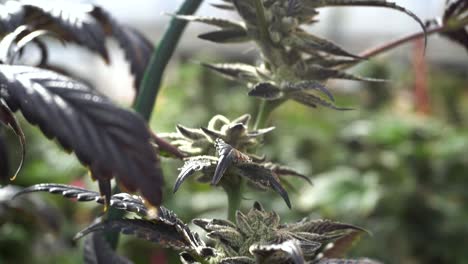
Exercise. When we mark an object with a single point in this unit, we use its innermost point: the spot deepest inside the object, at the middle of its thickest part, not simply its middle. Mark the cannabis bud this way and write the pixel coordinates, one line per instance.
(295, 64)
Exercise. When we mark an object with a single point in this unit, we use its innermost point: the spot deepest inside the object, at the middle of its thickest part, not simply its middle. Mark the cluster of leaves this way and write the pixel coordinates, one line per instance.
(295, 63)
(109, 140)
(456, 11)
(256, 237)
(221, 149)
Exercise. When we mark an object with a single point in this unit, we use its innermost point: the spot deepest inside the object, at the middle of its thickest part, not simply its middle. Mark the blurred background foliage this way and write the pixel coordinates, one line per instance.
(395, 167)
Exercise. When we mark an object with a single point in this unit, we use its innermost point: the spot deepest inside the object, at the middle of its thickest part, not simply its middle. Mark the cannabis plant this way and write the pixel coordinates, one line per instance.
(116, 143)
(255, 237)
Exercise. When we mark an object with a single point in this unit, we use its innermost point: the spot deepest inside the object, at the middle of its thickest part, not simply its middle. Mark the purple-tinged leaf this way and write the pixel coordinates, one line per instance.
(278, 253)
(98, 251)
(266, 90)
(7, 118)
(111, 141)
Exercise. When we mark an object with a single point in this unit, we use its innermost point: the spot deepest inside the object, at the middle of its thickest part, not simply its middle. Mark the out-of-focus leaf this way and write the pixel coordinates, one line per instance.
(312, 101)
(237, 260)
(310, 85)
(110, 140)
(456, 10)
(272, 253)
(7, 118)
(342, 245)
(347, 261)
(31, 210)
(4, 161)
(224, 6)
(284, 171)
(186, 258)
(98, 251)
(370, 3)
(84, 24)
(137, 48)
(316, 72)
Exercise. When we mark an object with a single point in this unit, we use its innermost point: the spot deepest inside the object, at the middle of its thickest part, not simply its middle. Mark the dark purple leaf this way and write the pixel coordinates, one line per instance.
(7, 118)
(98, 251)
(111, 141)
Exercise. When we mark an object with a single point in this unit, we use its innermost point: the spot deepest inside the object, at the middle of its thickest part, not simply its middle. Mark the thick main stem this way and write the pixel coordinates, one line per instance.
(154, 73)
(146, 98)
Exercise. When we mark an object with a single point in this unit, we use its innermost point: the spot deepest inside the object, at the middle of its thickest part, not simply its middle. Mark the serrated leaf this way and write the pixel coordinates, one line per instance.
(243, 119)
(237, 260)
(229, 236)
(193, 165)
(347, 261)
(284, 171)
(213, 21)
(235, 71)
(322, 227)
(316, 72)
(224, 6)
(8, 119)
(266, 90)
(85, 25)
(72, 22)
(227, 155)
(263, 177)
(369, 3)
(454, 11)
(190, 133)
(312, 101)
(110, 140)
(269, 253)
(98, 251)
(260, 132)
(186, 258)
(226, 36)
(212, 224)
(137, 48)
(121, 201)
(311, 44)
(157, 232)
(342, 245)
(310, 85)
(4, 161)
(246, 10)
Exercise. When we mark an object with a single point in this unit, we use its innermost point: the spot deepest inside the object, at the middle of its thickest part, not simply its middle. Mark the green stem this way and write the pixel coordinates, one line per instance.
(113, 237)
(234, 192)
(154, 73)
(146, 98)
(264, 111)
(261, 21)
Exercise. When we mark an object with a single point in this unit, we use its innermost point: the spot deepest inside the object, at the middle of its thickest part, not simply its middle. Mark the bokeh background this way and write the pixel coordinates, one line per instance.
(396, 165)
